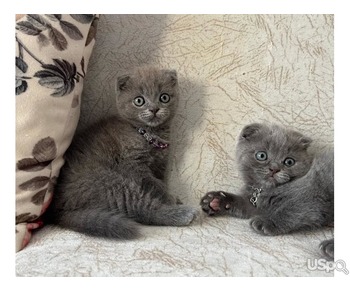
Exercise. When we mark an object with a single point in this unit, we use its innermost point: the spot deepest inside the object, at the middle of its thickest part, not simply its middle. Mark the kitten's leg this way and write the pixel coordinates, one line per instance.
(265, 226)
(288, 209)
(87, 204)
(278, 215)
(222, 203)
(99, 222)
(327, 249)
(152, 205)
(168, 215)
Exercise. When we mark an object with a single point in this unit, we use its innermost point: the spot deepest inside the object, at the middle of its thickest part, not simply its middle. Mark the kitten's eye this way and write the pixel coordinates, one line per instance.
(261, 155)
(164, 98)
(289, 162)
(139, 101)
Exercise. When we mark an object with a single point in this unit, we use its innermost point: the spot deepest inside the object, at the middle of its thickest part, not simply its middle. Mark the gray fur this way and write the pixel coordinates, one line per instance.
(113, 178)
(297, 197)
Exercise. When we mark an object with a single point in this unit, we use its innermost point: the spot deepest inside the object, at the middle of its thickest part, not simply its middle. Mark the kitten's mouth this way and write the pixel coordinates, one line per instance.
(153, 122)
(271, 180)
(277, 179)
(155, 117)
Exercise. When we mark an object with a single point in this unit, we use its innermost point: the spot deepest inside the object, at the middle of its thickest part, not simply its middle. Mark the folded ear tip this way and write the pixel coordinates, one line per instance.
(250, 130)
(305, 141)
(171, 74)
(122, 81)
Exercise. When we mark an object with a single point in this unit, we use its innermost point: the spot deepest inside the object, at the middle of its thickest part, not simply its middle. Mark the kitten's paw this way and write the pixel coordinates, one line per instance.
(184, 215)
(327, 249)
(215, 203)
(263, 226)
(169, 215)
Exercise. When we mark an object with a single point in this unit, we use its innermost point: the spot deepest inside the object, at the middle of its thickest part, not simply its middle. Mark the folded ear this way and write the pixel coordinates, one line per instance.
(304, 141)
(122, 82)
(250, 131)
(171, 75)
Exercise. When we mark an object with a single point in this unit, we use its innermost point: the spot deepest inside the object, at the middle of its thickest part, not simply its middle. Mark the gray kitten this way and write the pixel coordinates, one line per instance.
(114, 172)
(285, 188)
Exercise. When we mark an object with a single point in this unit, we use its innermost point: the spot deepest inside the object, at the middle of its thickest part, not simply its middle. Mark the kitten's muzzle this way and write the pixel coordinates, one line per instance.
(274, 168)
(154, 111)
(274, 171)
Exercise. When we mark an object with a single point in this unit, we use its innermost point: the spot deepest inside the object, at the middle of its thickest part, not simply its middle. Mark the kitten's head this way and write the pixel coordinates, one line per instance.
(270, 155)
(148, 96)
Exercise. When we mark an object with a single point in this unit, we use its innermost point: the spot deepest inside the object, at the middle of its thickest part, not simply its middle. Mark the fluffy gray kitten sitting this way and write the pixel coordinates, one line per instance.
(285, 188)
(114, 172)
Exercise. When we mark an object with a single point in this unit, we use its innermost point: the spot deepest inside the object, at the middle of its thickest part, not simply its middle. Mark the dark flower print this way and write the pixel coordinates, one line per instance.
(83, 18)
(25, 217)
(37, 25)
(21, 69)
(60, 76)
(44, 152)
(92, 32)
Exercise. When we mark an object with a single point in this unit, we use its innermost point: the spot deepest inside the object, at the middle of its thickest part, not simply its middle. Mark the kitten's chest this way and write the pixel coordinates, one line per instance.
(259, 197)
(155, 158)
(140, 149)
(159, 155)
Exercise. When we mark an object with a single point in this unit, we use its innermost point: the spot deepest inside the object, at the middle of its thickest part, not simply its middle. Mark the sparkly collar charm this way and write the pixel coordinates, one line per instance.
(256, 194)
(155, 141)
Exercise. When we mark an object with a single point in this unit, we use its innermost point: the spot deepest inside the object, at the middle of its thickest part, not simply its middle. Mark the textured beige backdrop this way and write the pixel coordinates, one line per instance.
(234, 70)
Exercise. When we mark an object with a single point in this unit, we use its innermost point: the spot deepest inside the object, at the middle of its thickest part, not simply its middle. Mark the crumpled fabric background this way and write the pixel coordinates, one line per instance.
(233, 70)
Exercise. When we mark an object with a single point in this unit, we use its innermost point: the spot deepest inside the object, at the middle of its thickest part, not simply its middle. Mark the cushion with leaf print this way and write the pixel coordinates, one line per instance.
(52, 54)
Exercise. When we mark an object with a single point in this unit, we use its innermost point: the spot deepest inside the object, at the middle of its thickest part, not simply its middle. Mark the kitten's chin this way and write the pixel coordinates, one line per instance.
(272, 182)
(154, 120)
(266, 182)
(153, 123)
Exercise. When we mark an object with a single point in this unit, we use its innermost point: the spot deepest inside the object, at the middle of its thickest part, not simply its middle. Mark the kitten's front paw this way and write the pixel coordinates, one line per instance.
(263, 226)
(215, 203)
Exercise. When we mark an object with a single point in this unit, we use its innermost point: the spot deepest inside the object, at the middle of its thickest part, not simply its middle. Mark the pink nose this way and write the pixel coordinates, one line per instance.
(274, 170)
(155, 110)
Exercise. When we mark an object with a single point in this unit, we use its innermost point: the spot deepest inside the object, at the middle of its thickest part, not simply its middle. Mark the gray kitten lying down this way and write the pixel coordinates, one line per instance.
(285, 188)
(114, 172)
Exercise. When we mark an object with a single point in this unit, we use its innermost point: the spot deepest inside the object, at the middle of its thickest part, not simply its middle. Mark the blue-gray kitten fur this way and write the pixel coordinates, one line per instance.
(113, 177)
(297, 190)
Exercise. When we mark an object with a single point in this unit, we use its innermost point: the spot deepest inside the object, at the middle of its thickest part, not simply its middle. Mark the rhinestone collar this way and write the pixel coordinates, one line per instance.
(153, 140)
(256, 193)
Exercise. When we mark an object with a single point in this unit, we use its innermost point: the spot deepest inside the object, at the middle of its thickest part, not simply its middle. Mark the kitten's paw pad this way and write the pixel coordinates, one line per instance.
(263, 226)
(214, 203)
(327, 249)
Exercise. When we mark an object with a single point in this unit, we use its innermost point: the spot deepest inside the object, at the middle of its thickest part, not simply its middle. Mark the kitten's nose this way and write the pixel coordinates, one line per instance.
(274, 169)
(154, 110)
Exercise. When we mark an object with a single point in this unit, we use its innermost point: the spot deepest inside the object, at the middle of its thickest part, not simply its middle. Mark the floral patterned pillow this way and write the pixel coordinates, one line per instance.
(52, 54)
